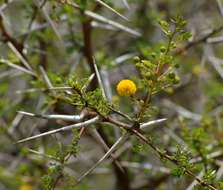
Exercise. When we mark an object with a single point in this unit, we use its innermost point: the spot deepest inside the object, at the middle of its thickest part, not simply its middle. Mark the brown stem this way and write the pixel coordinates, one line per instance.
(198, 41)
(161, 153)
(8, 38)
(122, 178)
(120, 174)
(88, 49)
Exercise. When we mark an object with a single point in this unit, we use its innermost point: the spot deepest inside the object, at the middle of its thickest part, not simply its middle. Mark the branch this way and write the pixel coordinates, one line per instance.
(88, 50)
(161, 153)
(198, 41)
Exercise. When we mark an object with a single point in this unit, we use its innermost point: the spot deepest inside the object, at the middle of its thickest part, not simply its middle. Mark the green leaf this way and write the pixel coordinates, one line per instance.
(165, 26)
(178, 171)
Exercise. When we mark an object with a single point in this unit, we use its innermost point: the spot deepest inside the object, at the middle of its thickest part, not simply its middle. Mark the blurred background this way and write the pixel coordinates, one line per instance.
(50, 37)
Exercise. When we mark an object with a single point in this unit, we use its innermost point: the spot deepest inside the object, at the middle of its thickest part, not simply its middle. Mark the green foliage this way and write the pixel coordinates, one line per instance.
(49, 180)
(159, 70)
(92, 99)
(96, 101)
(73, 148)
(63, 38)
(182, 158)
(209, 178)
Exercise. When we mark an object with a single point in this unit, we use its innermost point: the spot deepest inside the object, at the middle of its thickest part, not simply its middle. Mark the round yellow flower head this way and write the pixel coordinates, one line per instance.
(126, 88)
(26, 187)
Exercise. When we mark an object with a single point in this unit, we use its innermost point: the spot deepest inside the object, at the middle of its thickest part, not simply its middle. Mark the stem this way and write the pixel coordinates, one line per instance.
(122, 178)
(143, 108)
(88, 50)
(162, 154)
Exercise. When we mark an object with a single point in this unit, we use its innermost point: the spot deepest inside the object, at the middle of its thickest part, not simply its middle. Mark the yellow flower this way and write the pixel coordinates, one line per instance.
(26, 187)
(126, 88)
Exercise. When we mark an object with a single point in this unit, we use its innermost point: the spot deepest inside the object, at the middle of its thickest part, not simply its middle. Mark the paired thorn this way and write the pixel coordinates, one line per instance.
(66, 128)
(149, 123)
(74, 118)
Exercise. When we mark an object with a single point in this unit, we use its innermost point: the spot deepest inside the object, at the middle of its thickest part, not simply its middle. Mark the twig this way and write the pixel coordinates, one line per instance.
(191, 186)
(121, 113)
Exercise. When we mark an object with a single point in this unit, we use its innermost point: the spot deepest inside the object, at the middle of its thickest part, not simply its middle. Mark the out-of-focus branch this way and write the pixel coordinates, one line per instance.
(100, 18)
(8, 38)
(152, 183)
(88, 49)
(191, 44)
(108, 153)
(19, 68)
(14, 45)
(111, 9)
